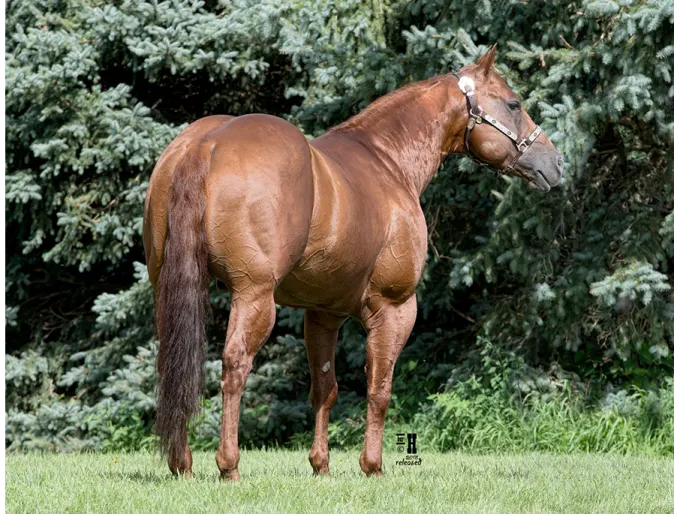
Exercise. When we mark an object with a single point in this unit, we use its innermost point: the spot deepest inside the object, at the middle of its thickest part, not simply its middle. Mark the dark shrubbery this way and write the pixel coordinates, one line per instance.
(573, 288)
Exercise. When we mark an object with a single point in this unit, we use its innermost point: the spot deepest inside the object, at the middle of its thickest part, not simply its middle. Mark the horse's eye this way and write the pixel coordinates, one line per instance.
(514, 106)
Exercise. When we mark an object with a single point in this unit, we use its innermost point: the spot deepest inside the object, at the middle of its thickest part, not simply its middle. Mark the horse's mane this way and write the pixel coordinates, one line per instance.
(385, 103)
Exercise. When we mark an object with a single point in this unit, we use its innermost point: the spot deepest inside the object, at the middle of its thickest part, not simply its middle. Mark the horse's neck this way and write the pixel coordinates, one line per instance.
(415, 128)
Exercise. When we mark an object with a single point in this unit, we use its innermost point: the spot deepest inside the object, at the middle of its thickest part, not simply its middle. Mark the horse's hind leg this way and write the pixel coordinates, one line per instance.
(251, 320)
(320, 335)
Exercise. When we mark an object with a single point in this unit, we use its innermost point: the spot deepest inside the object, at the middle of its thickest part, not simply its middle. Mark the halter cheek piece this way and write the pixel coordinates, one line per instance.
(477, 116)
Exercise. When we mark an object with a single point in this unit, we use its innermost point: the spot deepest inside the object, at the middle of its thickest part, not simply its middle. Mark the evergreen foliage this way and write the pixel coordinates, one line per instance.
(573, 284)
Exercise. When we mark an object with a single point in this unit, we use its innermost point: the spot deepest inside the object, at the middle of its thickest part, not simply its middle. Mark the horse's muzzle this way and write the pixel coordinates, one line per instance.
(546, 172)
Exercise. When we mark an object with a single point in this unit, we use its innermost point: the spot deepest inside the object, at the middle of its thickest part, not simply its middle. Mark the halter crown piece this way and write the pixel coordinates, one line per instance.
(476, 116)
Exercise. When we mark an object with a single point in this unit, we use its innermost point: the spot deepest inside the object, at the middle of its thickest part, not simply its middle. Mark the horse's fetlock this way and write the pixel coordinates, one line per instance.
(227, 460)
(320, 460)
(370, 464)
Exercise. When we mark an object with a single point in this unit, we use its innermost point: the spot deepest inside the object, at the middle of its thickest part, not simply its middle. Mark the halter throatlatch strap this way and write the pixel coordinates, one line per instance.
(476, 116)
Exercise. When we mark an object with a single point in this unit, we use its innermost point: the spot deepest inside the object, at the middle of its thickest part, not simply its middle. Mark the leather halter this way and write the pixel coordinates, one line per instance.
(476, 116)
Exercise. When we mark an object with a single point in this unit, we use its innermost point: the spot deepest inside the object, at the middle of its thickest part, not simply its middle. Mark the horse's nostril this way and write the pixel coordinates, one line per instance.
(560, 162)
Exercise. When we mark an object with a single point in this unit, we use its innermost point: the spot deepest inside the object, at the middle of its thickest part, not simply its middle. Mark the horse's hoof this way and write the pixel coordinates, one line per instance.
(230, 475)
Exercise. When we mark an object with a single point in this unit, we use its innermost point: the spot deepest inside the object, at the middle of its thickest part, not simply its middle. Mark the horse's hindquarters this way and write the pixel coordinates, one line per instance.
(158, 194)
(259, 199)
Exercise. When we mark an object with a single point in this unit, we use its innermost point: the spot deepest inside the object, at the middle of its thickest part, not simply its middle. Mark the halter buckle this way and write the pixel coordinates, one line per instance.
(523, 146)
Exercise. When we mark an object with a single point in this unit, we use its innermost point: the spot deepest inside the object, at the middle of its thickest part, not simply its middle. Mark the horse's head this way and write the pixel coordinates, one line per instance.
(500, 133)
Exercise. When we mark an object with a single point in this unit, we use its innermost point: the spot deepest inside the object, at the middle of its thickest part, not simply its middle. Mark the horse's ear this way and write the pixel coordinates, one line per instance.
(486, 62)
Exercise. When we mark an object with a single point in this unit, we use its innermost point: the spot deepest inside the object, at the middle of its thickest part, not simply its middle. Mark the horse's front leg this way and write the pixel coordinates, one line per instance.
(320, 335)
(388, 330)
(251, 320)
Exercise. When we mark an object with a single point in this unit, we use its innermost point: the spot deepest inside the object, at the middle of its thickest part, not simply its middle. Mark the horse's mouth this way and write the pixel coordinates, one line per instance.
(538, 181)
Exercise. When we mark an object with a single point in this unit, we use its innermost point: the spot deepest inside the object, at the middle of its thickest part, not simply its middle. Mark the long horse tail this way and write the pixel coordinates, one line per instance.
(182, 305)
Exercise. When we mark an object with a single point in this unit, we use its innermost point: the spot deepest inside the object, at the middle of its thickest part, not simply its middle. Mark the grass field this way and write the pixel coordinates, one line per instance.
(280, 481)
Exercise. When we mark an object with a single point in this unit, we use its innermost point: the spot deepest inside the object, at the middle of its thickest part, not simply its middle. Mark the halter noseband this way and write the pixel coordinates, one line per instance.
(476, 116)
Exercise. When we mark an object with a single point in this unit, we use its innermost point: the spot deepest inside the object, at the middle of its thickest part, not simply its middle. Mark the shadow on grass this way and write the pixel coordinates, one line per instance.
(256, 472)
(140, 477)
(159, 477)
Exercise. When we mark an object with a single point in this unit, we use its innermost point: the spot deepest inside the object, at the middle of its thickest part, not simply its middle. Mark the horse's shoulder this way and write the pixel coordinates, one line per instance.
(400, 263)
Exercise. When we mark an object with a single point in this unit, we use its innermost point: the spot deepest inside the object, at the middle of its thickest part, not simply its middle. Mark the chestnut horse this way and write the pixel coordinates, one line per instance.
(332, 225)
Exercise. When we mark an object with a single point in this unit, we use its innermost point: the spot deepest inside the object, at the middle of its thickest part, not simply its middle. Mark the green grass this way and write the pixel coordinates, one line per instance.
(280, 481)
